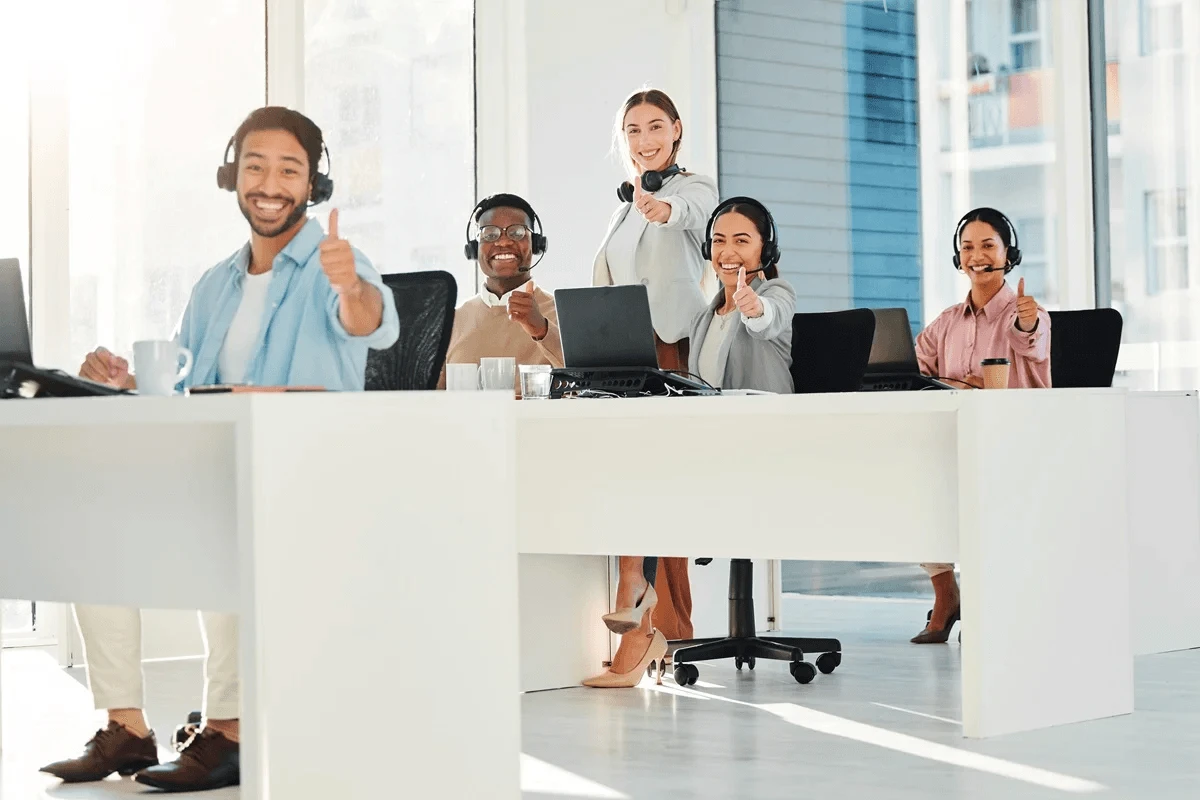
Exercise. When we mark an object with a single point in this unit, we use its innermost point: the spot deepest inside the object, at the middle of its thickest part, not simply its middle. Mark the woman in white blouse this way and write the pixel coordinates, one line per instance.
(654, 239)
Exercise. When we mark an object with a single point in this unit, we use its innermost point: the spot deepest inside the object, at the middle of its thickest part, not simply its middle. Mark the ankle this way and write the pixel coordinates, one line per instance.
(229, 728)
(131, 719)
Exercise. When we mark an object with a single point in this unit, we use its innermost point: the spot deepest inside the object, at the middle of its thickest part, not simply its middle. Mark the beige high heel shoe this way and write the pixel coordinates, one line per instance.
(623, 620)
(655, 654)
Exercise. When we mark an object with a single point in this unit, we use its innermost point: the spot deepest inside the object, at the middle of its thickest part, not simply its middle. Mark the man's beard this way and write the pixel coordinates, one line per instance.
(291, 219)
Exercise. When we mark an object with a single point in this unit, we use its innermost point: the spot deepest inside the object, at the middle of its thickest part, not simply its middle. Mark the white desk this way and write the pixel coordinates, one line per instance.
(1025, 490)
(367, 541)
(370, 543)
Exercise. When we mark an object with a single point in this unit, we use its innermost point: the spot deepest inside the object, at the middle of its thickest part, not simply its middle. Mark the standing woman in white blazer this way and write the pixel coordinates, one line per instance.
(654, 239)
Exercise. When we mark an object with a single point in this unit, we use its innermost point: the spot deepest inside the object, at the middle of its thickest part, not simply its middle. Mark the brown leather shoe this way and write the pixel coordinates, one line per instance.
(207, 761)
(114, 749)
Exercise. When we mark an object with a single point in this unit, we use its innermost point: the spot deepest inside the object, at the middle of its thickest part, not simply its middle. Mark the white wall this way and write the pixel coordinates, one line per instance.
(551, 76)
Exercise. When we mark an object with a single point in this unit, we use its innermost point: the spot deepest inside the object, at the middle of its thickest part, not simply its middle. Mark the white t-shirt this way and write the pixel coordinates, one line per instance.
(243, 331)
(718, 332)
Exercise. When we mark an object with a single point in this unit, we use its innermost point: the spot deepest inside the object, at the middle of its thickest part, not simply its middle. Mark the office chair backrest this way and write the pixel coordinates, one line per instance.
(425, 303)
(830, 350)
(1084, 346)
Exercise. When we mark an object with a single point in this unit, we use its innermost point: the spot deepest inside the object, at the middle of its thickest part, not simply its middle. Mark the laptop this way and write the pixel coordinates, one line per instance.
(608, 345)
(14, 324)
(18, 376)
(892, 365)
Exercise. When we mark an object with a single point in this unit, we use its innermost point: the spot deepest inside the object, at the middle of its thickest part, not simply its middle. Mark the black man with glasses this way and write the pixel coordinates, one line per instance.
(510, 317)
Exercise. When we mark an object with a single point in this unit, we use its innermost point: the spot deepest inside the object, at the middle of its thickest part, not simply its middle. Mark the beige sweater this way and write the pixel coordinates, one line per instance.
(481, 331)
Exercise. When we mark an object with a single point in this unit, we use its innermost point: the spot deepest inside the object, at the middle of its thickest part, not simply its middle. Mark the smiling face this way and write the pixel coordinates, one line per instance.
(736, 243)
(273, 182)
(650, 135)
(504, 259)
(980, 246)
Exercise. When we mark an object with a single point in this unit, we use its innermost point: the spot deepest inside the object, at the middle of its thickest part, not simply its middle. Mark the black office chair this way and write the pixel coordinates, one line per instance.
(829, 354)
(1084, 346)
(425, 304)
(830, 350)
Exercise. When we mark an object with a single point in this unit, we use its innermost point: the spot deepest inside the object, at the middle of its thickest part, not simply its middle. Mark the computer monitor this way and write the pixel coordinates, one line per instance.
(14, 324)
(606, 326)
(892, 349)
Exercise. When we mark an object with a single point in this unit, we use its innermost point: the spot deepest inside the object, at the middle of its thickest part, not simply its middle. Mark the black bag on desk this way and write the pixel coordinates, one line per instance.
(25, 381)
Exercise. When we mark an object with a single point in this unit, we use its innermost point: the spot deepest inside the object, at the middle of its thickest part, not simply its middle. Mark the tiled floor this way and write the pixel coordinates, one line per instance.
(884, 726)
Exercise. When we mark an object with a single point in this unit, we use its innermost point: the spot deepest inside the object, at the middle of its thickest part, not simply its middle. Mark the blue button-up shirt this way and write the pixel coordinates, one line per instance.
(301, 341)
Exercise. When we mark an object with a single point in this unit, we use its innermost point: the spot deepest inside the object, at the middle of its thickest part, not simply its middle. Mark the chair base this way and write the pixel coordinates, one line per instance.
(745, 646)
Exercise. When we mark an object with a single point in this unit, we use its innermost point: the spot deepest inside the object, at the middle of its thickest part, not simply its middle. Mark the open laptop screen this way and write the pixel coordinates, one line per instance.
(892, 349)
(606, 326)
(14, 324)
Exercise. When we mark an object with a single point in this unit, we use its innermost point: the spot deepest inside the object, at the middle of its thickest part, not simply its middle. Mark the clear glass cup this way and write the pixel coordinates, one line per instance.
(535, 381)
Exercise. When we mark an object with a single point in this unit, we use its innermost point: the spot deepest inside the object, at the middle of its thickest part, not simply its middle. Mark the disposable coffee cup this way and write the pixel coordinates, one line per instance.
(995, 373)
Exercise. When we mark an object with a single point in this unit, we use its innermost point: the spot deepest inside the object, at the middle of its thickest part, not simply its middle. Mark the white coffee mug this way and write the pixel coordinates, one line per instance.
(498, 374)
(462, 377)
(157, 367)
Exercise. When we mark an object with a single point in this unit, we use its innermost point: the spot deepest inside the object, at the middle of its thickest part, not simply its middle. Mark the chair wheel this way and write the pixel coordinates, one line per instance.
(750, 661)
(828, 662)
(686, 674)
(737, 662)
(803, 672)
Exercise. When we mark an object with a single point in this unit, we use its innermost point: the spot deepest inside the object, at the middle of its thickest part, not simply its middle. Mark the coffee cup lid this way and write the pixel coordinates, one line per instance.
(993, 362)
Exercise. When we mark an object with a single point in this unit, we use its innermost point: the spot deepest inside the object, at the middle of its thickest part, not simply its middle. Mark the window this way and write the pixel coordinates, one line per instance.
(1031, 232)
(1161, 26)
(150, 112)
(392, 84)
(14, 150)
(1025, 43)
(1166, 241)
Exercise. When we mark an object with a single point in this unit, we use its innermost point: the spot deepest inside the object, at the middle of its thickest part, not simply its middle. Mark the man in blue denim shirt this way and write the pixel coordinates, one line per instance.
(293, 307)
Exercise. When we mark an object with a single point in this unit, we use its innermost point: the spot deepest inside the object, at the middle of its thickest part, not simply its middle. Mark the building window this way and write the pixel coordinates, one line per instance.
(1025, 41)
(1031, 233)
(1161, 26)
(1166, 241)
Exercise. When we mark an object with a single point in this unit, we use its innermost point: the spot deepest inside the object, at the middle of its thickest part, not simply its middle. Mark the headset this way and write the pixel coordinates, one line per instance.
(537, 240)
(1013, 255)
(322, 184)
(652, 181)
(770, 248)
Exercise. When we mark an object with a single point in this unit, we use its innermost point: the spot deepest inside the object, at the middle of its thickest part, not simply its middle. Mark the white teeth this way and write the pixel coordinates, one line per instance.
(270, 207)
(504, 257)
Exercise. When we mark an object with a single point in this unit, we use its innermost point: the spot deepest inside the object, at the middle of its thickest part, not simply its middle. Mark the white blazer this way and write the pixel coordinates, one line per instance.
(667, 259)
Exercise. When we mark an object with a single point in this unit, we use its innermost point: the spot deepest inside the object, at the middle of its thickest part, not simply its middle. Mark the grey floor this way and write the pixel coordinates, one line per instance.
(885, 725)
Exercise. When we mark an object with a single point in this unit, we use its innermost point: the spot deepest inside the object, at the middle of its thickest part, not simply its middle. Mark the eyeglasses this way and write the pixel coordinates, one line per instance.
(491, 233)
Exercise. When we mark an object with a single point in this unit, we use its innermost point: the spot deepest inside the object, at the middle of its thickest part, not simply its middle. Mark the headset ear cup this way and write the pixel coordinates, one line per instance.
(706, 249)
(538, 243)
(322, 189)
(625, 192)
(770, 254)
(471, 250)
(957, 263)
(1014, 256)
(652, 181)
(227, 177)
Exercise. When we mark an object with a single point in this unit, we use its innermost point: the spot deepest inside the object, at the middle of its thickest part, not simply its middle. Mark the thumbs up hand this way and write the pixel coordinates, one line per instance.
(745, 298)
(1027, 310)
(650, 207)
(523, 310)
(337, 260)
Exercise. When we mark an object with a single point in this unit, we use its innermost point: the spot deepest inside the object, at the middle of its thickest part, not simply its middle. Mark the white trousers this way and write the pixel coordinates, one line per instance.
(112, 643)
(937, 569)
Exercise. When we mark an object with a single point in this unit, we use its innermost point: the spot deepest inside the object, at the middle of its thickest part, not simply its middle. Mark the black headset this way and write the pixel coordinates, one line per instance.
(770, 248)
(322, 184)
(1013, 253)
(652, 181)
(537, 240)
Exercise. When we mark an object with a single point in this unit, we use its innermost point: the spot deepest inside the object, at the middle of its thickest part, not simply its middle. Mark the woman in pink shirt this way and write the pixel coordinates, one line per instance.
(993, 322)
